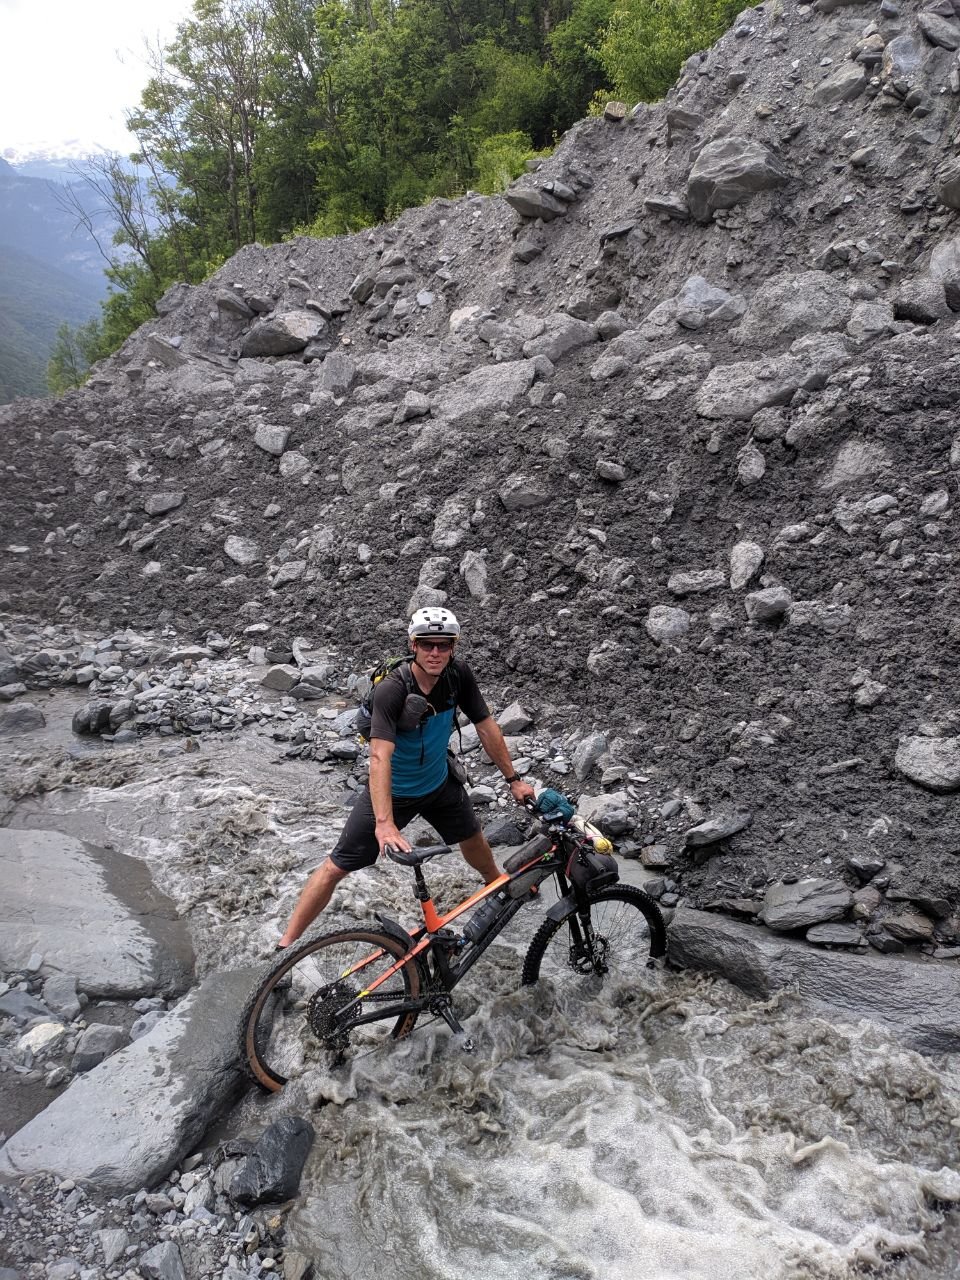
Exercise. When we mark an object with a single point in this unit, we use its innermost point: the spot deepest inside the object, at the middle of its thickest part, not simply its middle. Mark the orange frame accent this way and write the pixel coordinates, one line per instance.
(434, 923)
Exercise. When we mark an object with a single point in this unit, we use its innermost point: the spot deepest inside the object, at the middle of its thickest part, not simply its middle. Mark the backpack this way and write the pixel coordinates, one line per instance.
(386, 667)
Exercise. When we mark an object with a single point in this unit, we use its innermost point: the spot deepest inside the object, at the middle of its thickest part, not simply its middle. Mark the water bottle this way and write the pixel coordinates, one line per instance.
(487, 911)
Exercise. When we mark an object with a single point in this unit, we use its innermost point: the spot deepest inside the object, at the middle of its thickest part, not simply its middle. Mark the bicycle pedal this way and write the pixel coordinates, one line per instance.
(466, 1044)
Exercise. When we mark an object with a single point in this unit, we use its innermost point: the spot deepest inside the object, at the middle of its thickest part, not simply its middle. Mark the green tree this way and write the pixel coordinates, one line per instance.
(647, 41)
(77, 347)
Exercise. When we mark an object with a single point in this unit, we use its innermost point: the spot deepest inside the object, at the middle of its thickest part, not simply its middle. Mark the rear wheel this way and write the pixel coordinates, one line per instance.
(306, 1007)
(622, 931)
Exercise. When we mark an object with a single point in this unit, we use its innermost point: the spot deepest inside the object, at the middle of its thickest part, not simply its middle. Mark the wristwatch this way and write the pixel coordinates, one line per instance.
(514, 777)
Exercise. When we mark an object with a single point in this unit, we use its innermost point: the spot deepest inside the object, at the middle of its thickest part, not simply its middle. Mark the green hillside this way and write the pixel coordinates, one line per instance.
(34, 301)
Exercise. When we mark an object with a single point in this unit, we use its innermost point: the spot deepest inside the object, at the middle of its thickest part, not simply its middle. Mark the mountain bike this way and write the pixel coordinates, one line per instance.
(359, 988)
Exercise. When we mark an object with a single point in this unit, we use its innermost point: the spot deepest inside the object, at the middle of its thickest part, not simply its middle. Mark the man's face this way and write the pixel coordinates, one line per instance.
(433, 654)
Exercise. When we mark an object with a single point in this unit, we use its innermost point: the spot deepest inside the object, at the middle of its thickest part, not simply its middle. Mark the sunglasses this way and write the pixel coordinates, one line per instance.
(441, 646)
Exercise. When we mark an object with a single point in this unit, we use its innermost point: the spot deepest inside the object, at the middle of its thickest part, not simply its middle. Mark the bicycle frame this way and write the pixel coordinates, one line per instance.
(428, 940)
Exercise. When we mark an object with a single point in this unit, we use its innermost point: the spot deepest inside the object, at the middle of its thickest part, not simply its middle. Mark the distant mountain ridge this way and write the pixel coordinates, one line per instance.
(35, 299)
(51, 271)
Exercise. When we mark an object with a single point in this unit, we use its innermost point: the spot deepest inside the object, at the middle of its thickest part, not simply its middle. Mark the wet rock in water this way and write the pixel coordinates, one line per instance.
(934, 763)
(127, 1122)
(720, 827)
(808, 901)
(54, 895)
(25, 717)
(272, 1170)
(921, 1002)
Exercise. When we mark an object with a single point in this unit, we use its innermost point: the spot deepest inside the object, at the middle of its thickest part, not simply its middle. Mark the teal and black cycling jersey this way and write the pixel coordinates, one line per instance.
(419, 764)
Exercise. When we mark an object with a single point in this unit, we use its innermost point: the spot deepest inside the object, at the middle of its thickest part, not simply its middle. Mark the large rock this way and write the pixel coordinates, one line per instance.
(808, 901)
(563, 335)
(486, 390)
(692, 582)
(664, 623)
(739, 391)
(56, 899)
(790, 305)
(729, 171)
(271, 1172)
(282, 335)
(126, 1123)
(845, 84)
(520, 492)
(25, 717)
(922, 1002)
(533, 202)
(934, 763)
(242, 551)
(945, 267)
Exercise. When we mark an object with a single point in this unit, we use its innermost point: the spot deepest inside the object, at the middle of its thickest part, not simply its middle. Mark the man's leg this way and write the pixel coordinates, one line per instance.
(478, 853)
(317, 892)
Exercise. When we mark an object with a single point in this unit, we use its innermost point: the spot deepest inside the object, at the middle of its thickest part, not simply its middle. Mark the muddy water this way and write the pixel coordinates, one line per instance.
(668, 1127)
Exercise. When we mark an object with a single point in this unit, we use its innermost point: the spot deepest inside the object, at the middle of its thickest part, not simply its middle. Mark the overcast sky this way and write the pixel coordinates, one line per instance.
(69, 69)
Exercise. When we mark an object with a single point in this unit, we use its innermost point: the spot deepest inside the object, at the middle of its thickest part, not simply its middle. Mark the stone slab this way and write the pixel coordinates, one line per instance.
(919, 1000)
(91, 914)
(126, 1123)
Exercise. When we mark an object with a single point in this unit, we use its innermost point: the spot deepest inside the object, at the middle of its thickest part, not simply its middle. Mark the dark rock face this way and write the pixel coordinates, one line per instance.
(730, 171)
(271, 1172)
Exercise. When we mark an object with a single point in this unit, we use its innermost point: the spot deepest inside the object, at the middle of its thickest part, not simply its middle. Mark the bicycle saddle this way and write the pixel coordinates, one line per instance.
(416, 856)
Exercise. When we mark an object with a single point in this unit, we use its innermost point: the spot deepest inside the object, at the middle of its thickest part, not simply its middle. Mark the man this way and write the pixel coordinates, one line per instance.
(409, 773)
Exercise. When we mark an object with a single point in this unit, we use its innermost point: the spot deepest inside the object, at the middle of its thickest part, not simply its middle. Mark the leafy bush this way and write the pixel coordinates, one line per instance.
(647, 41)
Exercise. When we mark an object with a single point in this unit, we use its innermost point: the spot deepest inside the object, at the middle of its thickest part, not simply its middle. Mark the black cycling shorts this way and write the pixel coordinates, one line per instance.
(448, 810)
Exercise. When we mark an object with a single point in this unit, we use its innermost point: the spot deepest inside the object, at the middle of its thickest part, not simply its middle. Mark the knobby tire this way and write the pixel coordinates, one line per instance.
(645, 940)
(274, 1025)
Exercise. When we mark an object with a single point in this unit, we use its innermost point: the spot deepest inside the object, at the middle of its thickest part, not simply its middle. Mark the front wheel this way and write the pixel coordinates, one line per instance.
(316, 1000)
(621, 931)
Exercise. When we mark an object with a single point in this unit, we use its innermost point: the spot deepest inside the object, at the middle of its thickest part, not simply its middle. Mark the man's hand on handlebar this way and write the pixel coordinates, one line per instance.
(522, 792)
(388, 833)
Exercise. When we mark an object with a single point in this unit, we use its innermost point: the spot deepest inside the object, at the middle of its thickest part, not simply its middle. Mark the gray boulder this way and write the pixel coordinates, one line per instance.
(126, 1123)
(921, 1002)
(738, 391)
(162, 1262)
(283, 334)
(696, 581)
(60, 996)
(271, 439)
(720, 827)
(563, 335)
(934, 763)
(665, 624)
(533, 202)
(514, 719)
(792, 304)
(940, 31)
(55, 900)
(764, 606)
(159, 504)
(745, 560)
(845, 84)
(809, 616)
(98, 1041)
(25, 717)
(808, 901)
(520, 492)
(945, 267)
(588, 753)
(242, 551)
(484, 391)
(729, 171)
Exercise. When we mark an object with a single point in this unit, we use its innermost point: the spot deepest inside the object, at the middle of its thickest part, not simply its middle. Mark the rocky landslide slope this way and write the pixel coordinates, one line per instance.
(673, 426)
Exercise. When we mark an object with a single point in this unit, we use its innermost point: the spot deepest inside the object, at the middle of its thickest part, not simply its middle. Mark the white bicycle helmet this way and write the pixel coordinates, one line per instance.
(433, 622)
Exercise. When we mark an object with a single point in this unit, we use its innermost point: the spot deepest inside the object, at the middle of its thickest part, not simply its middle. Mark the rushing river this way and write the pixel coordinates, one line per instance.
(669, 1127)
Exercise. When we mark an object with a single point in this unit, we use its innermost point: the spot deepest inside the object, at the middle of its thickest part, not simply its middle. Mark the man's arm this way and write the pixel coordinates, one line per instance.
(381, 796)
(491, 738)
